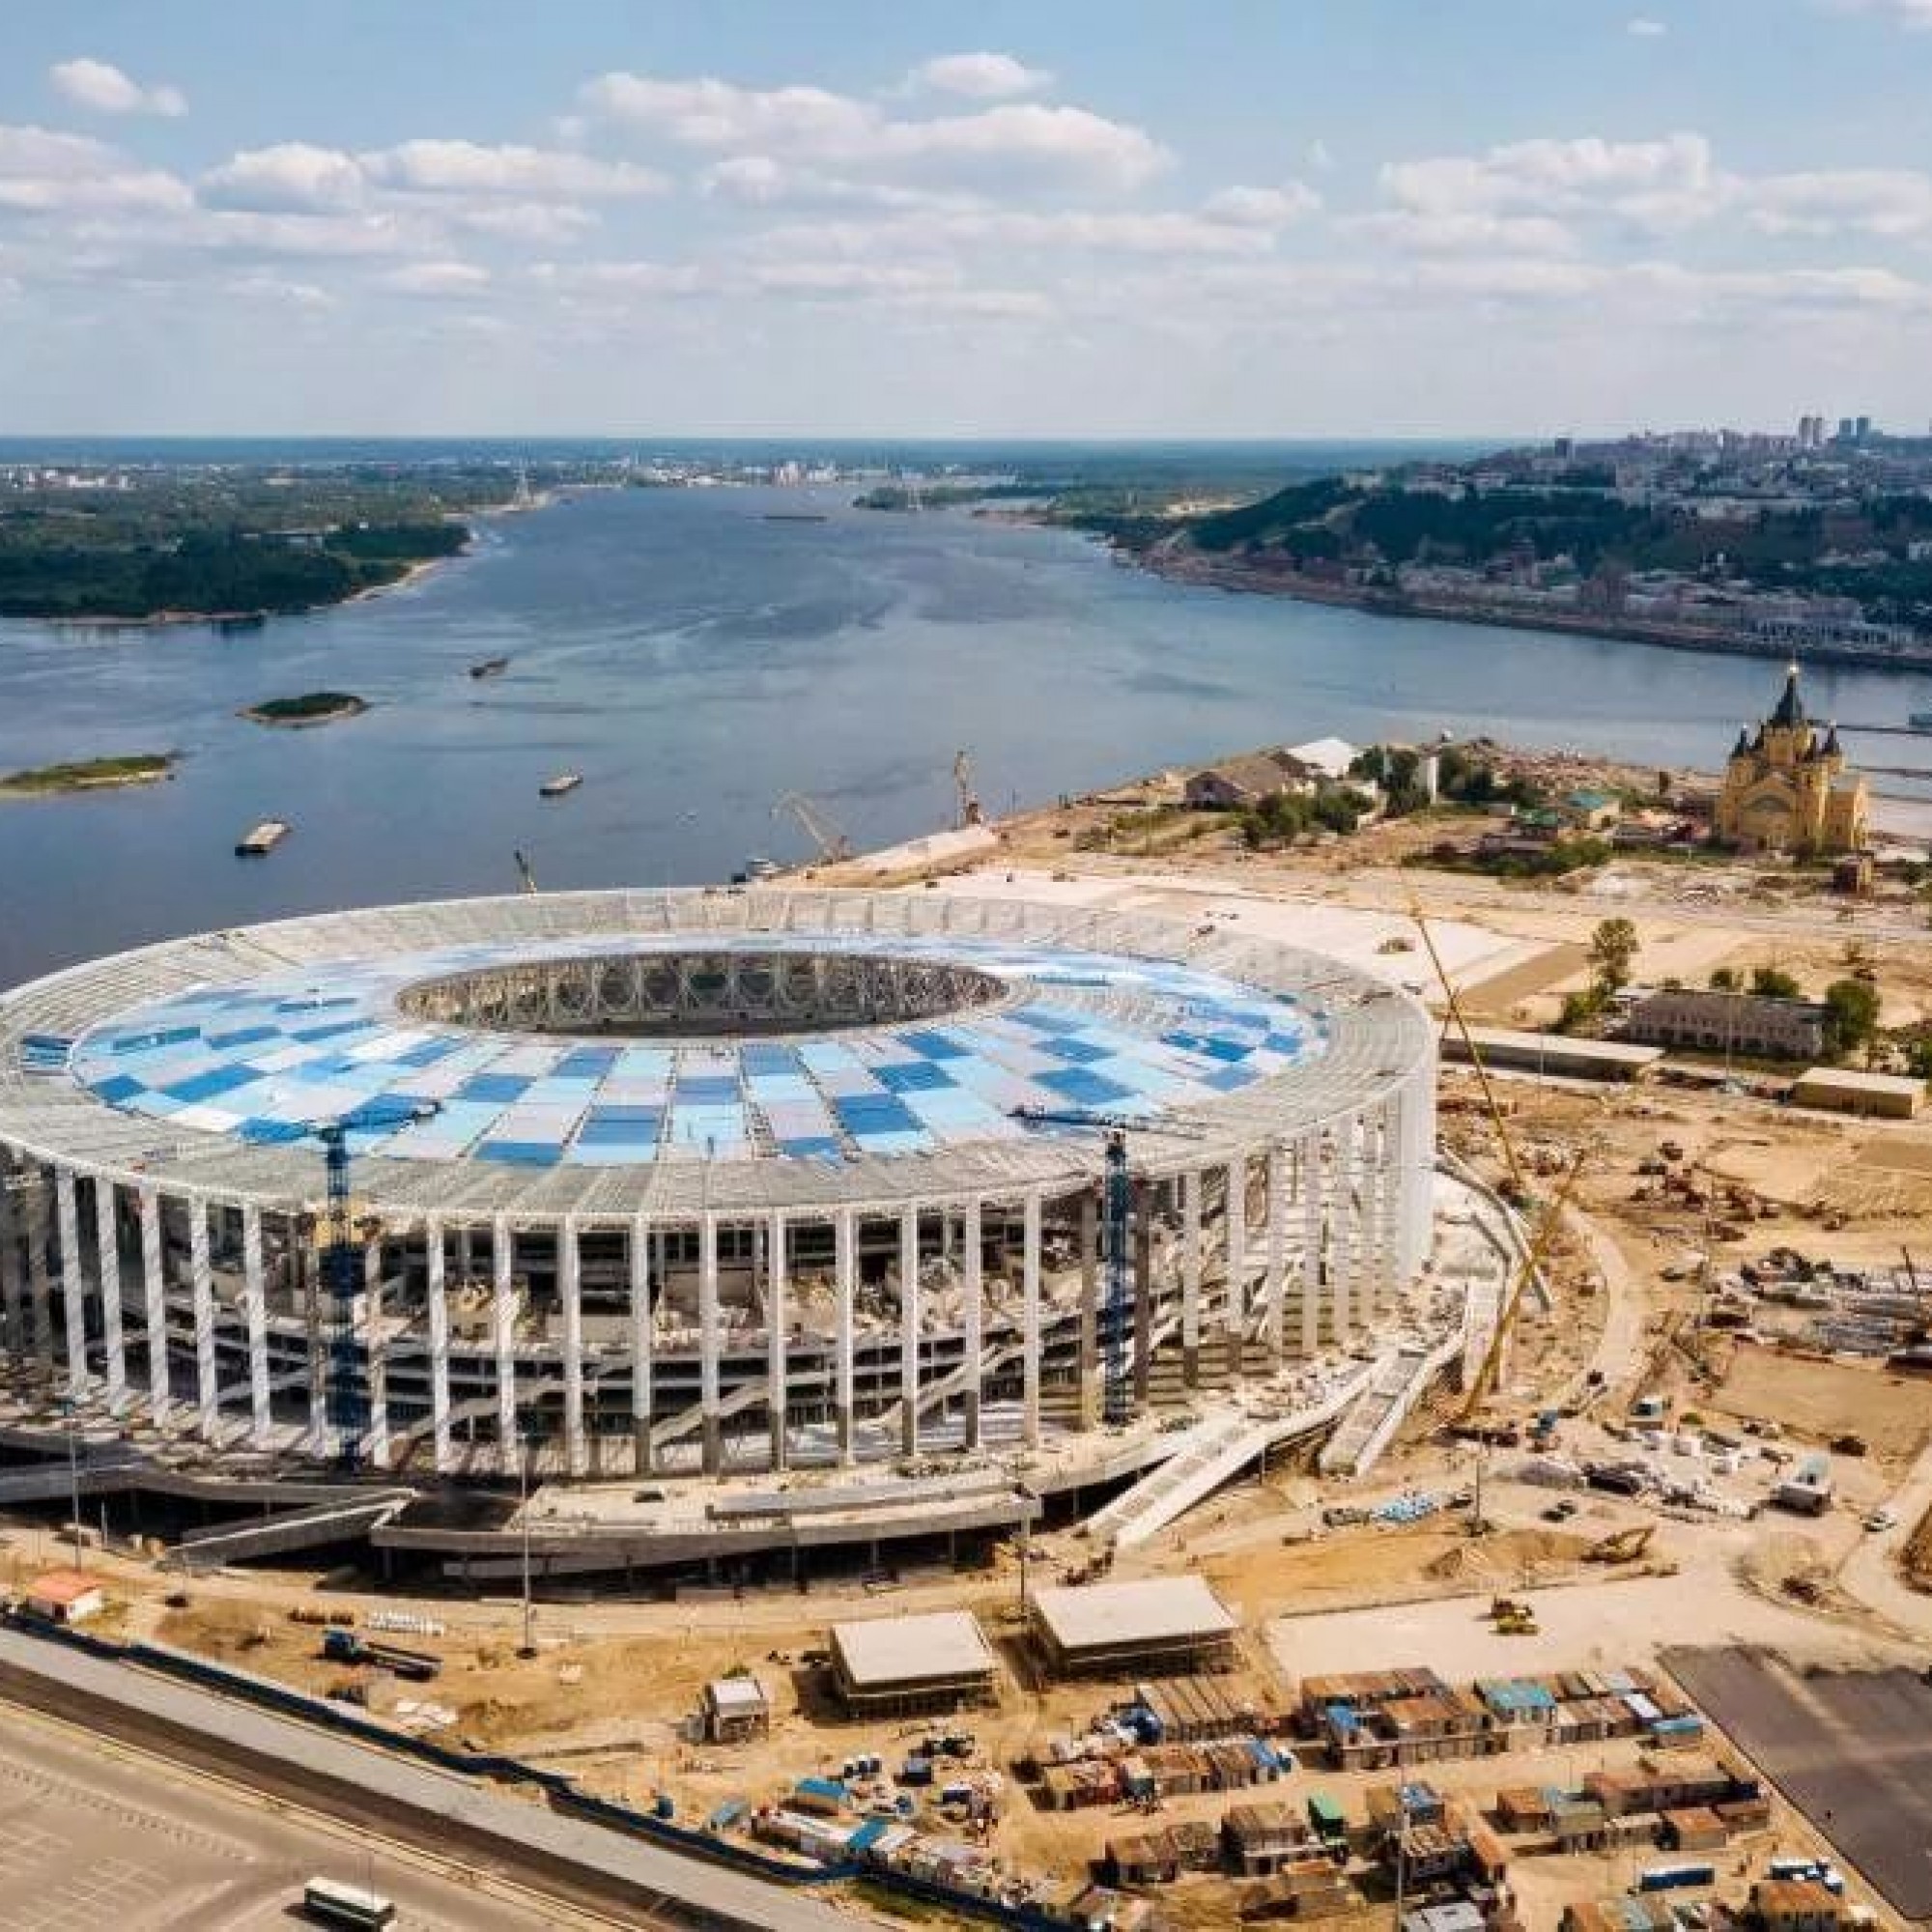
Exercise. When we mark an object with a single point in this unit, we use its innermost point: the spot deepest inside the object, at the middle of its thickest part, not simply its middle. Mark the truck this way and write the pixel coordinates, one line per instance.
(345, 1646)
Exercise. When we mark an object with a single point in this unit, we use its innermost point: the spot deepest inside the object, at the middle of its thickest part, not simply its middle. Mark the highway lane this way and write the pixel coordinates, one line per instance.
(94, 1834)
(463, 1822)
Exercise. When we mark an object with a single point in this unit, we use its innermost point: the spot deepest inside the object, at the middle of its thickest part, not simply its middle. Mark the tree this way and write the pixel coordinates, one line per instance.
(1772, 983)
(1724, 980)
(1853, 1019)
(1613, 950)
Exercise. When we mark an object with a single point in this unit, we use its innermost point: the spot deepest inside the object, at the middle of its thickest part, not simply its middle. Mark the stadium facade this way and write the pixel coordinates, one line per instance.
(698, 1181)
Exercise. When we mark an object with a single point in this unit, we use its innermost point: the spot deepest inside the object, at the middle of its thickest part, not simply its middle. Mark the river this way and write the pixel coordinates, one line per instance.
(696, 661)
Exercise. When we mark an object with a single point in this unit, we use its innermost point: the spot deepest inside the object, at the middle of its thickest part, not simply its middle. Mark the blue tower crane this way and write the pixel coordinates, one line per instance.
(345, 1390)
(1117, 1247)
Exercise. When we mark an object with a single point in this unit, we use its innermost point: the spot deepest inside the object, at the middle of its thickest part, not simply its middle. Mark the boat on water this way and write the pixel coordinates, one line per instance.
(797, 517)
(490, 667)
(1920, 720)
(756, 871)
(556, 787)
(261, 839)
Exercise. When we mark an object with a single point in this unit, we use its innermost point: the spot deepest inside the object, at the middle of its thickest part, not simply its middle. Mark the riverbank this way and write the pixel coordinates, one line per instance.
(140, 768)
(1179, 563)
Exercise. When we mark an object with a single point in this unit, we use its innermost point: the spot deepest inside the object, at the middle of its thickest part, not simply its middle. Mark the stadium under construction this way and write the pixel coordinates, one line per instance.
(818, 1211)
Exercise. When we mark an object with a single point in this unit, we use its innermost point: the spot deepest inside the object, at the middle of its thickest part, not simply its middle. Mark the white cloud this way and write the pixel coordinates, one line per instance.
(628, 279)
(978, 76)
(1645, 28)
(1321, 157)
(551, 223)
(1915, 13)
(437, 279)
(1892, 202)
(43, 172)
(277, 290)
(1262, 207)
(1551, 176)
(104, 89)
(1017, 140)
(758, 180)
(467, 167)
(1449, 234)
(292, 177)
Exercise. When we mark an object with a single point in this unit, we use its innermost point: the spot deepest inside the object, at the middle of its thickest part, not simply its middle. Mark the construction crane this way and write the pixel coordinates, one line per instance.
(1527, 1265)
(524, 873)
(1116, 1213)
(969, 810)
(818, 825)
(345, 1400)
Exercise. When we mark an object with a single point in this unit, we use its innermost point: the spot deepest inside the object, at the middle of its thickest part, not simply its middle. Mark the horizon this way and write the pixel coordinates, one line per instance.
(1369, 222)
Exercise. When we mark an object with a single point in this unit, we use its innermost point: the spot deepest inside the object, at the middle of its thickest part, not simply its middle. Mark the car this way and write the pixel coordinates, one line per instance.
(1559, 1512)
(1881, 1518)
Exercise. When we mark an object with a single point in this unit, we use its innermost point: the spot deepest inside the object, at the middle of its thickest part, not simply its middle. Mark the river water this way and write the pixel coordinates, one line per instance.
(696, 661)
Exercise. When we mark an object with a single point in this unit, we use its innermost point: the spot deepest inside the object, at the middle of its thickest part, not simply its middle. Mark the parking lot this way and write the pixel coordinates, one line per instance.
(1853, 1749)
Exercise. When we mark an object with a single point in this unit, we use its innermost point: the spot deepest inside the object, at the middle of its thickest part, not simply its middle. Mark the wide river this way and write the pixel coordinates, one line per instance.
(696, 662)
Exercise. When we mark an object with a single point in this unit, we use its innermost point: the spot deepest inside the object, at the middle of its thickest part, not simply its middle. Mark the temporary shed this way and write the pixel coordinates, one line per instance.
(886, 1665)
(1164, 1625)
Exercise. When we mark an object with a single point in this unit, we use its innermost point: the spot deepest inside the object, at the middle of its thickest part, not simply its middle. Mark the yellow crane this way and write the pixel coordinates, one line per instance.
(818, 825)
(969, 811)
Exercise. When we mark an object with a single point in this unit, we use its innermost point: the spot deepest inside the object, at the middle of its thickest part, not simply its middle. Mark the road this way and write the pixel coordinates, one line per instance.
(94, 1834)
(456, 1819)
(1870, 1575)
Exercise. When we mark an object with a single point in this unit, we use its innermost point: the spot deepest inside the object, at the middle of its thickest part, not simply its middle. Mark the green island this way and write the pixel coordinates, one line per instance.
(91, 775)
(170, 544)
(312, 707)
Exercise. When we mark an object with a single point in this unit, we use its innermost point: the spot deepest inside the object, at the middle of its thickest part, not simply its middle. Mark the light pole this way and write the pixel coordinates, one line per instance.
(74, 1479)
(530, 1643)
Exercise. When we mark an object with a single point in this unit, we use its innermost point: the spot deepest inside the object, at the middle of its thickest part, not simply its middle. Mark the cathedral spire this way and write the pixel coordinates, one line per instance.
(1790, 712)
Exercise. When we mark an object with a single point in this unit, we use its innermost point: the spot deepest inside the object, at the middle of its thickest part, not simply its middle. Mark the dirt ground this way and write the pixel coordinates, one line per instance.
(1818, 1400)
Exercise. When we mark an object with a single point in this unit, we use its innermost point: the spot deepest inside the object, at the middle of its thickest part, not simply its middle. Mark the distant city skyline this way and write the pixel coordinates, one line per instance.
(1378, 219)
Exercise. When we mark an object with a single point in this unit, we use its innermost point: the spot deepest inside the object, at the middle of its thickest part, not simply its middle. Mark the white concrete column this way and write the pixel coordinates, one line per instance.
(436, 1294)
(641, 1325)
(107, 1242)
(13, 1265)
(708, 1345)
(846, 1258)
(503, 1308)
(1029, 1320)
(1276, 1291)
(1342, 1225)
(778, 1340)
(973, 1325)
(1234, 1248)
(73, 1279)
(201, 1281)
(39, 1286)
(1190, 1278)
(909, 1331)
(570, 1293)
(1308, 1174)
(375, 1357)
(155, 1302)
(255, 1312)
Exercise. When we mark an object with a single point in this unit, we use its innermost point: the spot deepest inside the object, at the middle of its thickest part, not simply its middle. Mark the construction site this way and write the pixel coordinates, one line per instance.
(1191, 1510)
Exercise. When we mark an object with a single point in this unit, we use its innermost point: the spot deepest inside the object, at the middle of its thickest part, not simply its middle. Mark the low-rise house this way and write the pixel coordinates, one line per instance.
(1261, 1838)
(1795, 1905)
(1235, 784)
(1711, 1020)
(735, 1708)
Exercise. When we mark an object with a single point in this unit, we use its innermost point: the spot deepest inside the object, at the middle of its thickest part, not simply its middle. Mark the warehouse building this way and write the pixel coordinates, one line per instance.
(897, 1666)
(1165, 1626)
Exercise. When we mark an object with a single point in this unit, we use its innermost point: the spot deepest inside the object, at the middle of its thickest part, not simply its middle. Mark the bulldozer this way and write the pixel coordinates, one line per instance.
(1512, 1617)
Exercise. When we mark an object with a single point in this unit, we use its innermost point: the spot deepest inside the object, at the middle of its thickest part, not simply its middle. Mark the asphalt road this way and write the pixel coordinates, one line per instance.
(1852, 1749)
(454, 1819)
(93, 1834)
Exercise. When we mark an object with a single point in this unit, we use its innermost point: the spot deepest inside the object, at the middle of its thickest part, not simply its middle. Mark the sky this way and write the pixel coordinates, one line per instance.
(1257, 218)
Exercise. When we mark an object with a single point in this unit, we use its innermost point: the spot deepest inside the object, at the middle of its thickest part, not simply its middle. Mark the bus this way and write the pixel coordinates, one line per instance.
(331, 1902)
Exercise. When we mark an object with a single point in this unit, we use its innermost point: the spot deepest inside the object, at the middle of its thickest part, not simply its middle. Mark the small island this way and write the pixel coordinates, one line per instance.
(312, 707)
(91, 775)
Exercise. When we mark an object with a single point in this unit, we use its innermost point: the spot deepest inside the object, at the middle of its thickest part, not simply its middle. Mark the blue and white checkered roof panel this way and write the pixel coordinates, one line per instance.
(265, 1059)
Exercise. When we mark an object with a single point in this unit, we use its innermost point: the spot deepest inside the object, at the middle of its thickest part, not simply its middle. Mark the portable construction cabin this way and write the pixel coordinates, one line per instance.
(64, 1596)
(1164, 1626)
(736, 1708)
(893, 1666)
(1846, 1089)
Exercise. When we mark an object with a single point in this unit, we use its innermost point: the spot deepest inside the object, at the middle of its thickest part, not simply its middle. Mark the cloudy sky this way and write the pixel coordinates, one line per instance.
(1094, 217)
